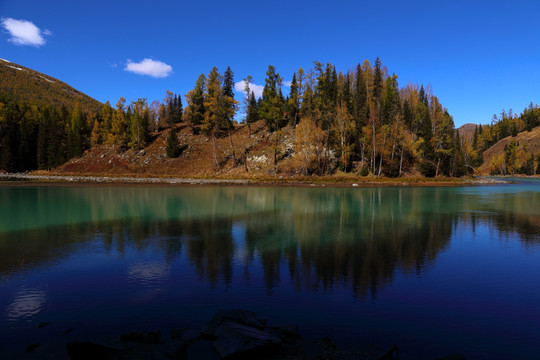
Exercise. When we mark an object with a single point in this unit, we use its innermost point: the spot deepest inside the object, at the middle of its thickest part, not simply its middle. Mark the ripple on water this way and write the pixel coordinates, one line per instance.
(148, 273)
(27, 303)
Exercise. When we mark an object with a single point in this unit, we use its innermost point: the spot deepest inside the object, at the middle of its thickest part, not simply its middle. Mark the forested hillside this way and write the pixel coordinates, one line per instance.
(24, 85)
(321, 122)
(42, 120)
(509, 145)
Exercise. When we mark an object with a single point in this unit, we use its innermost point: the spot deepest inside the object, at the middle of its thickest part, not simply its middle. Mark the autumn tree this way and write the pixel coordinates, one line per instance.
(309, 148)
(139, 122)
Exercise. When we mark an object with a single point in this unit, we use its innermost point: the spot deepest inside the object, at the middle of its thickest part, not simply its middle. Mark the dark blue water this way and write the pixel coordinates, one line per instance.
(434, 270)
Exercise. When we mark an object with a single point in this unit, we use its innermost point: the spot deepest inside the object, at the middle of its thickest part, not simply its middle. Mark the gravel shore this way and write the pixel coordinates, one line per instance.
(120, 180)
(190, 181)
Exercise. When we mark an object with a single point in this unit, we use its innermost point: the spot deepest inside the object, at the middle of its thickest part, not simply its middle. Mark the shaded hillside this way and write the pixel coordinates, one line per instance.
(528, 142)
(23, 84)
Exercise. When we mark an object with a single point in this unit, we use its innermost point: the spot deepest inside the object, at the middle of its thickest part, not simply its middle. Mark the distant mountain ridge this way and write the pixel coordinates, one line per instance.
(21, 83)
(467, 130)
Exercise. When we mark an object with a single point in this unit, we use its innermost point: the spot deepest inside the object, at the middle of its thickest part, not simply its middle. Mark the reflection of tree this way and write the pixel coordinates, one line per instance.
(354, 239)
(318, 239)
(210, 248)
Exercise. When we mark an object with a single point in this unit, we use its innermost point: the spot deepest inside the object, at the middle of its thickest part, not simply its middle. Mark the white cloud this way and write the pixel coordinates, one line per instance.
(24, 32)
(287, 83)
(153, 68)
(256, 89)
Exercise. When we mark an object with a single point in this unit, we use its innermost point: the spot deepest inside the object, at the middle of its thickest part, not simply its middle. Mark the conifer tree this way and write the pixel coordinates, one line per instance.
(271, 106)
(173, 146)
(213, 115)
(195, 110)
(230, 105)
(76, 133)
(377, 81)
(119, 123)
(139, 123)
(293, 103)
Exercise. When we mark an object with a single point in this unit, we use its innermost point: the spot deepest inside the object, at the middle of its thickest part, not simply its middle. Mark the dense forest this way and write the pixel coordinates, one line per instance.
(357, 121)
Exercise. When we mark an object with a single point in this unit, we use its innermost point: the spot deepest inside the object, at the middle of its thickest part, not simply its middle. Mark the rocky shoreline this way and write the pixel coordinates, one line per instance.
(355, 182)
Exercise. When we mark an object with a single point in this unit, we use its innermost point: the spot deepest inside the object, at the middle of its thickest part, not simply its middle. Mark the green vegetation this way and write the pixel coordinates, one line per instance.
(359, 122)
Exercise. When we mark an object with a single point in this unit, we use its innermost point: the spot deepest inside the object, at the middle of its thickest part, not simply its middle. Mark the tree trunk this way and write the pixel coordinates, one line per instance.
(232, 147)
(216, 164)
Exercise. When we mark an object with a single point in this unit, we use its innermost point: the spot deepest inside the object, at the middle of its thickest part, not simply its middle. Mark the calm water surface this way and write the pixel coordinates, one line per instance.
(434, 269)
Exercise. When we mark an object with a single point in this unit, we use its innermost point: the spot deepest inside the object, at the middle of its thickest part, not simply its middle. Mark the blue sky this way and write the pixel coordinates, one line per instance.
(478, 56)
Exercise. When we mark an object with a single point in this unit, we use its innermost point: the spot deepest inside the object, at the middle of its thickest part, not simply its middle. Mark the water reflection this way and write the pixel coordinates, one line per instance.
(314, 238)
(148, 273)
(27, 303)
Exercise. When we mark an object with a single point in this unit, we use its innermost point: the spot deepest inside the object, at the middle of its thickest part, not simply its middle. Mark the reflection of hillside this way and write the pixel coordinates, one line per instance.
(510, 213)
(316, 239)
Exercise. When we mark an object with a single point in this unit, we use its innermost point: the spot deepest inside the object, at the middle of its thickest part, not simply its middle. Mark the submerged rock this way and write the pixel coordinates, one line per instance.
(244, 317)
(234, 338)
(143, 337)
(32, 347)
(185, 334)
(88, 350)
(239, 333)
(452, 357)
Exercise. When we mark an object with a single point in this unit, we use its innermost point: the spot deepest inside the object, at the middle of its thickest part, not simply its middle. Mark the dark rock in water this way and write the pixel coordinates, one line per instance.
(200, 350)
(232, 315)
(43, 324)
(31, 347)
(234, 339)
(176, 350)
(90, 351)
(389, 355)
(452, 357)
(68, 331)
(143, 337)
(185, 334)
(140, 351)
(285, 332)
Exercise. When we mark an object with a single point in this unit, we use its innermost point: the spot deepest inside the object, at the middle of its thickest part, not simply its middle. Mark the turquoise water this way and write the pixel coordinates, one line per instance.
(432, 269)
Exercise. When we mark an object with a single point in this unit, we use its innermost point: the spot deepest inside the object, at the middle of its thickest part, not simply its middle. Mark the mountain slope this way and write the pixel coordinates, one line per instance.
(23, 84)
(529, 138)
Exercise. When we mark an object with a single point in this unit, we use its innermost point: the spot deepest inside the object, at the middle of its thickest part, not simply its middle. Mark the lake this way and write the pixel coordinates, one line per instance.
(434, 270)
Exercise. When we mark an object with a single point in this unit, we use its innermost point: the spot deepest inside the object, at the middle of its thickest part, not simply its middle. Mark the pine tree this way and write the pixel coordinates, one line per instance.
(377, 81)
(360, 99)
(271, 106)
(76, 133)
(230, 105)
(119, 123)
(293, 104)
(173, 146)
(139, 123)
(252, 114)
(194, 111)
